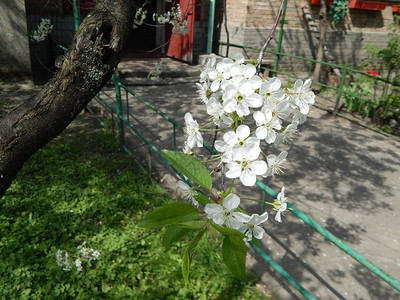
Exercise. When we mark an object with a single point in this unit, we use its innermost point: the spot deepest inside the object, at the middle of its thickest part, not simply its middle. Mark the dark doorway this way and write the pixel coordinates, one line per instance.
(142, 41)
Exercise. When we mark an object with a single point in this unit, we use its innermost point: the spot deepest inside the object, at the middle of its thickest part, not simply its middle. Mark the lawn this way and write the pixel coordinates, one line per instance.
(82, 192)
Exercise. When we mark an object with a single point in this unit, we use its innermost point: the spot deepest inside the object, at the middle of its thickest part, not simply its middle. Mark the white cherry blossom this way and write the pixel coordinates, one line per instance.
(188, 191)
(242, 138)
(224, 214)
(239, 96)
(245, 166)
(299, 118)
(287, 135)
(216, 111)
(280, 205)
(202, 90)
(220, 74)
(252, 227)
(210, 66)
(275, 164)
(271, 92)
(302, 96)
(267, 124)
(194, 137)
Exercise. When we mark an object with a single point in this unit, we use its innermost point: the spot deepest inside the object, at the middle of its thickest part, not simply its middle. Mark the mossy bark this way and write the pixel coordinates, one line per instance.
(88, 65)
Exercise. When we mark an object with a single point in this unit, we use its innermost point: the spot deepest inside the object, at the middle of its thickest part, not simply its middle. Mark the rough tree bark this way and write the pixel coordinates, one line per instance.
(321, 44)
(88, 65)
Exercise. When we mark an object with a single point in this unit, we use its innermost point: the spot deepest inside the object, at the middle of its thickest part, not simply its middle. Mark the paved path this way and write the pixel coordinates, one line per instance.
(345, 177)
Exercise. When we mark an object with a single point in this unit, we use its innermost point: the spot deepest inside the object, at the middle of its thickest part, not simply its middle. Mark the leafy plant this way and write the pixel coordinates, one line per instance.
(357, 98)
(389, 56)
(338, 10)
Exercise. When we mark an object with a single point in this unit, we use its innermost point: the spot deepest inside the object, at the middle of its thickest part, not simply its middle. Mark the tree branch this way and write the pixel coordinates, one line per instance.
(270, 37)
(88, 65)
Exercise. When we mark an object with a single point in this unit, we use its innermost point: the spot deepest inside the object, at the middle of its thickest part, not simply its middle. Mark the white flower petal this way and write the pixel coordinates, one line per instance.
(242, 132)
(231, 202)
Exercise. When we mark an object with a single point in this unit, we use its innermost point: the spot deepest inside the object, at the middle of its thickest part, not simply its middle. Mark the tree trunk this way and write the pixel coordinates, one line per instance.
(88, 65)
(321, 44)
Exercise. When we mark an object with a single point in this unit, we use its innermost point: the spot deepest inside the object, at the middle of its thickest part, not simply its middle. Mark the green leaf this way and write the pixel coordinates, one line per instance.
(186, 266)
(187, 257)
(228, 231)
(191, 221)
(192, 224)
(171, 213)
(173, 234)
(200, 197)
(193, 244)
(256, 242)
(189, 166)
(234, 255)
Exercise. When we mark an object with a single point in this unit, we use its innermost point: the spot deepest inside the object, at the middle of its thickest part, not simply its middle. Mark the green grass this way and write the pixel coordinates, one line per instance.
(82, 188)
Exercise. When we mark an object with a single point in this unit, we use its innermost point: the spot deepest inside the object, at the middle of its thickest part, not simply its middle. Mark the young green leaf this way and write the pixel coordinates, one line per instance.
(189, 166)
(192, 224)
(234, 255)
(186, 266)
(173, 234)
(228, 231)
(200, 197)
(171, 213)
(187, 257)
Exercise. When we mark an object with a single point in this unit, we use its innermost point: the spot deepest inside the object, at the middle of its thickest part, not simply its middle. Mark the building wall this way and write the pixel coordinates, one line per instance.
(249, 23)
(14, 48)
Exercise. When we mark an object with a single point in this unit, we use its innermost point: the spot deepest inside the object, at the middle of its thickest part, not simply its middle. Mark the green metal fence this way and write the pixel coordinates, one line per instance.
(340, 91)
(121, 112)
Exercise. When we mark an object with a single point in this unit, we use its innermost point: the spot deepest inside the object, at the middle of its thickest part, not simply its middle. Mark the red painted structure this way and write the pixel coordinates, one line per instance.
(181, 45)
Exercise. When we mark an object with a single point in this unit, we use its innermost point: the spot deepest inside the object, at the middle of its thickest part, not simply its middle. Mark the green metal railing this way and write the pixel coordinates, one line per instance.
(340, 90)
(123, 121)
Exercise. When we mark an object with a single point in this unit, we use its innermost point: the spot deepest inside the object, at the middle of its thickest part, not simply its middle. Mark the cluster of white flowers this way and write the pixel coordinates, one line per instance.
(42, 31)
(140, 16)
(173, 17)
(157, 71)
(88, 254)
(232, 92)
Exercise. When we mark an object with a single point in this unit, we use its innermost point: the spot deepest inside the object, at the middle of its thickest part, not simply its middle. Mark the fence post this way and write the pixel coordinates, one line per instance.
(118, 109)
(341, 84)
(280, 37)
(76, 12)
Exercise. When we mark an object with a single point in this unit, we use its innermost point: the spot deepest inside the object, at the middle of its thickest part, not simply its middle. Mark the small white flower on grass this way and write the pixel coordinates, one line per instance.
(275, 164)
(78, 264)
(194, 137)
(280, 205)
(188, 191)
(224, 214)
(63, 260)
(252, 227)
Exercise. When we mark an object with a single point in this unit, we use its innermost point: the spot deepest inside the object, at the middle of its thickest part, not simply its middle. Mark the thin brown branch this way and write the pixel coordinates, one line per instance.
(270, 37)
